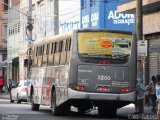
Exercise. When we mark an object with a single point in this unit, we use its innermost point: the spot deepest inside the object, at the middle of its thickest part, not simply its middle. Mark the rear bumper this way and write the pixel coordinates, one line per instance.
(72, 94)
(23, 96)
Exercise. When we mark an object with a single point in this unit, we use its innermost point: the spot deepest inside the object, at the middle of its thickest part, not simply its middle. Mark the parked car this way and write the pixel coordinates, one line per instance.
(19, 92)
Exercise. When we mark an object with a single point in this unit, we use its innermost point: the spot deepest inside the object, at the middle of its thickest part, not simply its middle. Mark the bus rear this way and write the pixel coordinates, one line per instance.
(102, 73)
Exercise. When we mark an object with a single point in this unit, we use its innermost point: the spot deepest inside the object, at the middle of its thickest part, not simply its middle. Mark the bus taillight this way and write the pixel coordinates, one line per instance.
(24, 90)
(127, 90)
(124, 90)
(80, 88)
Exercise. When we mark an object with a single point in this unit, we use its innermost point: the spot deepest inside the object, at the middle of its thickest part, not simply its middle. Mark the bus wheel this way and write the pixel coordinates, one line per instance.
(34, 107)
(106, 112)
(81, 110)
(53, 103)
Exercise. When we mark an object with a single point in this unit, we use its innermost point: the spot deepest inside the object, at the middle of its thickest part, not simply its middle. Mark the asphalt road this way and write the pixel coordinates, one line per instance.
(14, 111)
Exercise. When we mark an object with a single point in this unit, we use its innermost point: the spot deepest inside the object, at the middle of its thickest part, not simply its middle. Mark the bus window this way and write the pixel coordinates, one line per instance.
(56, 47)
(63, 52)
(39, 59)
(67, 48)
(52, 48)
(44, 59)
(57, 54)
(48, 47)
(50, 53)
(36, 51)
(43, 50)
(68, 44)
(60, 46)
(64, 46)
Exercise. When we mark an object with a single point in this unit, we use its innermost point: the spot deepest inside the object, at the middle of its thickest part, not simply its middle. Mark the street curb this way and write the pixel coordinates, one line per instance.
(4, 96)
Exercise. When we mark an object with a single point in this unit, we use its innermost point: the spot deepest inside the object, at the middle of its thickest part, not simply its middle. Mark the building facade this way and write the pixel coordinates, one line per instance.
(151, 33)
(69, 15)
(13, 40)
(3, 37)
(50, 17)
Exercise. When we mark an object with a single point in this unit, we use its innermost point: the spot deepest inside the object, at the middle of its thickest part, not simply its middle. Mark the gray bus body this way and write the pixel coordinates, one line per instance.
(105, 79)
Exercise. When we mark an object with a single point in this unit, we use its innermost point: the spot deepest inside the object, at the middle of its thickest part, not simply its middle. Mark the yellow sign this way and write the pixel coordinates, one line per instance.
(99, 42)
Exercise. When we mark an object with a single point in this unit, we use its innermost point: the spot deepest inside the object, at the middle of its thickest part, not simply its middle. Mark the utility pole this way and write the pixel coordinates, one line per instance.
(29, 35)
(29, 22)
(139, 106)
(56, 17)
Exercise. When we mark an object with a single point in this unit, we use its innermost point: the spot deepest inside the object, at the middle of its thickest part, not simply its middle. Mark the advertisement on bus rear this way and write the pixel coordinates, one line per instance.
(102, 44)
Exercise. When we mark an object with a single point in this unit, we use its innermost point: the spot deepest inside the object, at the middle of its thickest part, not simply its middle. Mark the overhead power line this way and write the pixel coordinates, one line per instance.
(14, 8)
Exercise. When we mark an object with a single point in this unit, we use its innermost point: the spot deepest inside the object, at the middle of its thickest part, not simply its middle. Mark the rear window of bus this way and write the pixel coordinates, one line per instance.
(94, 47)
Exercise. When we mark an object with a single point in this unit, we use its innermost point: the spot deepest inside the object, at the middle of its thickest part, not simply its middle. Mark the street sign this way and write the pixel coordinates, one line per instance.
(142, 48)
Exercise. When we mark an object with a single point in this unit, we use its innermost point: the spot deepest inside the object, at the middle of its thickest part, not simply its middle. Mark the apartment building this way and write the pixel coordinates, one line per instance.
(49, 18)
(3, 37)
(13, 38)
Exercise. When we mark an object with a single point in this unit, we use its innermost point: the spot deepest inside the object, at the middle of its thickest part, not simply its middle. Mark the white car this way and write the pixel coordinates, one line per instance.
(19, 92)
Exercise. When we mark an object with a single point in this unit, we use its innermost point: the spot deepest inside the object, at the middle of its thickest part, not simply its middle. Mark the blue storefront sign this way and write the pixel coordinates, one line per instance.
(104, 15)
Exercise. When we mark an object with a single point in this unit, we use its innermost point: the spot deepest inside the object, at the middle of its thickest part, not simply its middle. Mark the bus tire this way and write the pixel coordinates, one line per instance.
(81, 110)
(106, 112)
(59, 110)
(34, 107)
(53, 103)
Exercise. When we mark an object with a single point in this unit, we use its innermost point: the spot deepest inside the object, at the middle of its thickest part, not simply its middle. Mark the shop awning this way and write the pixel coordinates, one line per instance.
(9, 60)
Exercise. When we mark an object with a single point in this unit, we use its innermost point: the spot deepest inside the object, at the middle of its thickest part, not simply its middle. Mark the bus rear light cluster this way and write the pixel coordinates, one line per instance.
(79, 88)
(124, 90)
(102, 89)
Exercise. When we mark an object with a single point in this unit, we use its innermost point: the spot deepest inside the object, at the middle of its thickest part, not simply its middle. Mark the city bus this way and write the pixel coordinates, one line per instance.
(82, 69)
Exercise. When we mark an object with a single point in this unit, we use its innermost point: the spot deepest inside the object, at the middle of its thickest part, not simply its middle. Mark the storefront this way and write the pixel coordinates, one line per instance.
(12, 68)
(153, 63)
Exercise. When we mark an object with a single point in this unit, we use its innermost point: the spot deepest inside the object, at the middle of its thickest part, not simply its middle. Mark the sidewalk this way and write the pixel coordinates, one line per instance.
(147, 109)
(4, 96)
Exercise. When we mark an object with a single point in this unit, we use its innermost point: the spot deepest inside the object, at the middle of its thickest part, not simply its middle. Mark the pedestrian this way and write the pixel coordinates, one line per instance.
(11, 84)
(153, 93)
(158, 94)
(148, 100)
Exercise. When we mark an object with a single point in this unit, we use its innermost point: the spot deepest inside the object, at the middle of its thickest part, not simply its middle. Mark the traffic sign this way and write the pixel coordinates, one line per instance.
(142, 48)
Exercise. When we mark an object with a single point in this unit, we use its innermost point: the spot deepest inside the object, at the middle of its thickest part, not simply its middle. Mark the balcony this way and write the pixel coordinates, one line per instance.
(4, 16)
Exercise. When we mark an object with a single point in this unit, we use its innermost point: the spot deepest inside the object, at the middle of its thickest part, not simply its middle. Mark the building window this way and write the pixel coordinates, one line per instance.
(91, 3)
(6, 5)
(94, 2)
(82, 4)
(5, 32)
(85, 4)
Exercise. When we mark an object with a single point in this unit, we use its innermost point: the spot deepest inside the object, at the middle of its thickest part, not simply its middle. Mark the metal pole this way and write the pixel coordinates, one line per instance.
(30, 27)
(30, 39)
(139, 106)
(56, 17)
(139, 20)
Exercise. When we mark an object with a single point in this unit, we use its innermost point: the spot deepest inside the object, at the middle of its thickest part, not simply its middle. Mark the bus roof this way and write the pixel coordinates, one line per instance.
(52, 38)
(69, 34)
